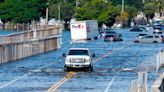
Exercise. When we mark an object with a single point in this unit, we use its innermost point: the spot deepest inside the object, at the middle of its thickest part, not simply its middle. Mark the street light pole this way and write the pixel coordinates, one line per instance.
(59, 12)
(47, 12)
(47, 16)
(122, 6)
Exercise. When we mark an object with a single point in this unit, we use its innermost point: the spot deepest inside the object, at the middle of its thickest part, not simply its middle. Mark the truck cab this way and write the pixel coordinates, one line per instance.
(78, 58)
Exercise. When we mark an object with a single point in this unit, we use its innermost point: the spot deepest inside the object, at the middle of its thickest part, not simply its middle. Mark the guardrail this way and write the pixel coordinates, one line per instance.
(140, 84)
(29, 35)
(24, 44)
(160, 60)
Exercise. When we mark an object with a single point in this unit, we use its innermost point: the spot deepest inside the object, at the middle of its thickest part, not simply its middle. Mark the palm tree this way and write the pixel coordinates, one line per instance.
(160, 7)
(159, 4)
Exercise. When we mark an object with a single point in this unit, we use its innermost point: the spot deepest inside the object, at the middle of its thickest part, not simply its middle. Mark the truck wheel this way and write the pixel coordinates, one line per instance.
(90, 68)
(66, 68)
(136, 41)
(155, 42)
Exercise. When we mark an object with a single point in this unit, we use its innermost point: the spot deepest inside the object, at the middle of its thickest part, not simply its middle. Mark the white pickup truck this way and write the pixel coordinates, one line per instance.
(78, 58)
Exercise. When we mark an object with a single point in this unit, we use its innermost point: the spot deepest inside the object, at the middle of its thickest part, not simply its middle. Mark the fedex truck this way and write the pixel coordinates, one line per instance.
(84, 30)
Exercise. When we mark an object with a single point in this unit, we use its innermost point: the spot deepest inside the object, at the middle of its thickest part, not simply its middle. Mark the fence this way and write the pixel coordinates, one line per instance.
(28, 43)
(160, 60)
(140, 85)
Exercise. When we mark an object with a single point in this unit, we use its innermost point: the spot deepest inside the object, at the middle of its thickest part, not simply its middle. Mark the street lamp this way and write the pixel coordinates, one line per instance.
(59, 12)
(122, 6)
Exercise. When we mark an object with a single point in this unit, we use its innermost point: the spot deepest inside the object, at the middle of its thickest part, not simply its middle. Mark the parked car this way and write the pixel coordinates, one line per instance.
(112, 37)
(150, 39)
(143, 29)
(113, 33)
(141, 35)
(157, 31)
(78, 58)
(136, 29)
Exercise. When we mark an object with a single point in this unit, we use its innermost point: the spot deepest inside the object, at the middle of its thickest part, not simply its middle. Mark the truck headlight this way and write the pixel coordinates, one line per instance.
(85, 60)
(68, 60)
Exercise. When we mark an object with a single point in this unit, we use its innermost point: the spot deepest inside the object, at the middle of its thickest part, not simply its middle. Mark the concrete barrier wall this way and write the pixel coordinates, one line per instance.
(30, 35)
(158, 85)
(160, 60)
(140, 84)
(24, 44)
(15, 51)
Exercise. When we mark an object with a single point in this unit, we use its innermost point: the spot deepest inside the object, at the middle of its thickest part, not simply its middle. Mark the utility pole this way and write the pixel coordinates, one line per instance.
(47, 16)
(59, 12)
(122, 6)
(47, 12)
(77, 6)
(122, 10)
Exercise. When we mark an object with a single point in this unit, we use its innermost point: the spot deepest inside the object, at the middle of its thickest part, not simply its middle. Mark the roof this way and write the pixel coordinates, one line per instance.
(78, 49)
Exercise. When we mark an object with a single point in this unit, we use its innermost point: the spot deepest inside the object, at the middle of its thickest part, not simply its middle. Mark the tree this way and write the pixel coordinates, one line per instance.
(159, 6)
(149, 9)
(2, 1)
(21, 11)
(123, 18)
(132, 3)
(98, 9)
(66, 8)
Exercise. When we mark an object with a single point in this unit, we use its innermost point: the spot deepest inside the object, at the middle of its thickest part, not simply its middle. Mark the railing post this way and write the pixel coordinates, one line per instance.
(142, 82)
(160, 60)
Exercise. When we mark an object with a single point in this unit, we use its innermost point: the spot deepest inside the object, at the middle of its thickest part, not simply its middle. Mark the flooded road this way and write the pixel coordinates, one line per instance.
(115, 66)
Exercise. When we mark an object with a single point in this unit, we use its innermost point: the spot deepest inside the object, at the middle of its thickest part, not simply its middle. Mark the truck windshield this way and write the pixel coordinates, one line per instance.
(78, 52)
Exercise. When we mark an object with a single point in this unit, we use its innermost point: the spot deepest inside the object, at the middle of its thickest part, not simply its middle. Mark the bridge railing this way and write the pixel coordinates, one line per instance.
(160, 60)
(24, 44)
(158, 85)
(32, 34)
(140, 84)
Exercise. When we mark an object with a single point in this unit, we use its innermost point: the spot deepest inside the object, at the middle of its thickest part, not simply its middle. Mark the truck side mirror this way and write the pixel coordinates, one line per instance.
(64, 55)
(93, 55)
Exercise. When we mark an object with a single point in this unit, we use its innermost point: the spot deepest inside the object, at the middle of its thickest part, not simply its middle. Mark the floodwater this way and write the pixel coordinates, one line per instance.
(7, 32)
(116, 65)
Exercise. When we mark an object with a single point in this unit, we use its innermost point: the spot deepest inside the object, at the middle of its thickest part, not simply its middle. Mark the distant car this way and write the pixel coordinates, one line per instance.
(143, 29)
(78, 58)
(112, 37)
(141, 35)
(150, 39)
(136, 29)
(113, 33)
(157, 31)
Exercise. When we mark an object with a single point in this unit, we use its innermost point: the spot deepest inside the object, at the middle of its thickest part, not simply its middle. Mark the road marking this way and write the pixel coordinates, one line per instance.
(13, 81)
(21, 77)
(110, 84)
(62, 81)
(108, 53)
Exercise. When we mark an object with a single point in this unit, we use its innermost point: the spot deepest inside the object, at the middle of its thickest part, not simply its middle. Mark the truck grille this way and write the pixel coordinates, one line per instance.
(77, 60)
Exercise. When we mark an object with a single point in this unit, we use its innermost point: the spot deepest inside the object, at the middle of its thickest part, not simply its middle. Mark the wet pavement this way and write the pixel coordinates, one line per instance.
(115, 66)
